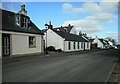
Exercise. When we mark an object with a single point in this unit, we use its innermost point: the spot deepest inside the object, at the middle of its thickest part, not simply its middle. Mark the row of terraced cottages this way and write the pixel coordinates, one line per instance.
(20, 36)
(65, 38)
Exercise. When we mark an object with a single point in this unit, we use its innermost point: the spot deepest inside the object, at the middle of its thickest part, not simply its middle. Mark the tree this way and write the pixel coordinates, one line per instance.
(112, 40)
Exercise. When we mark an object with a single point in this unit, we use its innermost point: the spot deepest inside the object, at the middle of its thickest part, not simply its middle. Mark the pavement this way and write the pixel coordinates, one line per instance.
(115, 75)
(84, 66)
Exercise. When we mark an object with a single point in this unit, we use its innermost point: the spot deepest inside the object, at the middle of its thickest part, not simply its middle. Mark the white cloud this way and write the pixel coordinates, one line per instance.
(67, 6)
(112, 34)
(88, 26)
(102, 18)
(110, 7)
(101, 13)
(92, 7)
(87, 7)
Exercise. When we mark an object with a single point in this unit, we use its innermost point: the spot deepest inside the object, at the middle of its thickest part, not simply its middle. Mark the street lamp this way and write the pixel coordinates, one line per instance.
(46, 25)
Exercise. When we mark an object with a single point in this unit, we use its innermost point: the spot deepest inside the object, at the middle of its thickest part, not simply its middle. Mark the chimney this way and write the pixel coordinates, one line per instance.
(80, 33)
(65, 29)
(69, 25)
(49, 25)
(23, 11)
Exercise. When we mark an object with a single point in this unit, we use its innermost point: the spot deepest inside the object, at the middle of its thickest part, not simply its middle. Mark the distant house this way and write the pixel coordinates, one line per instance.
(19, 35)
(99, 43)
(62, 39)
(69, 29)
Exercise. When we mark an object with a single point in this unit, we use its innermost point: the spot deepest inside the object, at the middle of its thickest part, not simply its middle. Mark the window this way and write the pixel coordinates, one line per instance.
(82, 45)
(87, 45)
(69, 45)
(24, 22)
(78, 45)
(32, 42)
(18, 20)
(74, 45)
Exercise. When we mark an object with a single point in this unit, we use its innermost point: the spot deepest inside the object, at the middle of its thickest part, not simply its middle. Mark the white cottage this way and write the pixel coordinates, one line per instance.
(100, 43)
(19, 35)
(62, 39)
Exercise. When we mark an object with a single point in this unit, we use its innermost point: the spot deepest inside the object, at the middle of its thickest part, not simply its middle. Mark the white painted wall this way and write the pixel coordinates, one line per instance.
(20, 43)
(55, 40)
(99, 43)
(0, 45)
(72, 46)
(58, 42)
(87, 43)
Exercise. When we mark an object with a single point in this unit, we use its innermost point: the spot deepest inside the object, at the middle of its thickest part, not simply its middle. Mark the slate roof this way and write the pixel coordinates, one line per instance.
(70, 37)
(102, 40)
(61, 28)
(8, 24)
(91, 40)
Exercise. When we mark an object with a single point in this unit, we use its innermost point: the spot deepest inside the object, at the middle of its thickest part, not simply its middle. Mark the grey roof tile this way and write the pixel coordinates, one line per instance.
(8, 24)
(70, 37)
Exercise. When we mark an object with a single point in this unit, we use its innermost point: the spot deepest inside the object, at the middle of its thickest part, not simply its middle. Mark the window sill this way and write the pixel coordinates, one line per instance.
(32, 46)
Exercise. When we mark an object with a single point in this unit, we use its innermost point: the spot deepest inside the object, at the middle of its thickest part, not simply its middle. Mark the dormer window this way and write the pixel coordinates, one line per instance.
(18, 20)
(22, 21)
(25, 22)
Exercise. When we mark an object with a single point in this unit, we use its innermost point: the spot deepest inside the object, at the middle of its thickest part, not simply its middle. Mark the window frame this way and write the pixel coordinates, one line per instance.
(87, 45)
(32, 39)
(78, 45)
(82, 45)
(74, 47)
(18, 20)
(69, 45)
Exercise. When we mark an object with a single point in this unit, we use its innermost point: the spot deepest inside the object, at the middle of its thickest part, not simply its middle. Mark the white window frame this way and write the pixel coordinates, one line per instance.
(18, 20)
(32, 42)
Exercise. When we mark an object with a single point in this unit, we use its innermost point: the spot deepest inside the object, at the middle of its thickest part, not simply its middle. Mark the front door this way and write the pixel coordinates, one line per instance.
(6, 44)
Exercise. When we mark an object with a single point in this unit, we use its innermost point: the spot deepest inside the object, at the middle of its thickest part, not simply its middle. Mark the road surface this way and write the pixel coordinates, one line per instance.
(86, 67)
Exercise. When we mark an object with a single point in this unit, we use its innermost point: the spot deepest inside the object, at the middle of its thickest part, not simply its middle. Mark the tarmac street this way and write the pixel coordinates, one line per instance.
(60, 67)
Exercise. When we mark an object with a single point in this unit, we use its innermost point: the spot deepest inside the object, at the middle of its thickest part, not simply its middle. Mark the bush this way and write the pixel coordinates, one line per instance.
(59, 50)
(51, 48)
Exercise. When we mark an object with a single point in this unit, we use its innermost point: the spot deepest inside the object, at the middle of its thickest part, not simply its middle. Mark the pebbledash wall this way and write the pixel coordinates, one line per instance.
(19, 43)
(0, 44)
(54, 40)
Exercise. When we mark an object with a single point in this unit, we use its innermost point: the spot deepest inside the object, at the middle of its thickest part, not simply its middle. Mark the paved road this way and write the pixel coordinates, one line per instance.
(89, 67)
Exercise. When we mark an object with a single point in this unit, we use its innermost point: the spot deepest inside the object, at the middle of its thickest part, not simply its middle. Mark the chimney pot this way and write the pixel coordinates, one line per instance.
(80, 33)
(23, 11)
(50, 26)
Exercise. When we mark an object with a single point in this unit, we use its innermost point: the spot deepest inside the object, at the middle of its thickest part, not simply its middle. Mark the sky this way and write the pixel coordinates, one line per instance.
(98, 18)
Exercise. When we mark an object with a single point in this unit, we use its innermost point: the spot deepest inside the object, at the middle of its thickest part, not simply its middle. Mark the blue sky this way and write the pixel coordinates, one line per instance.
(94, 18)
